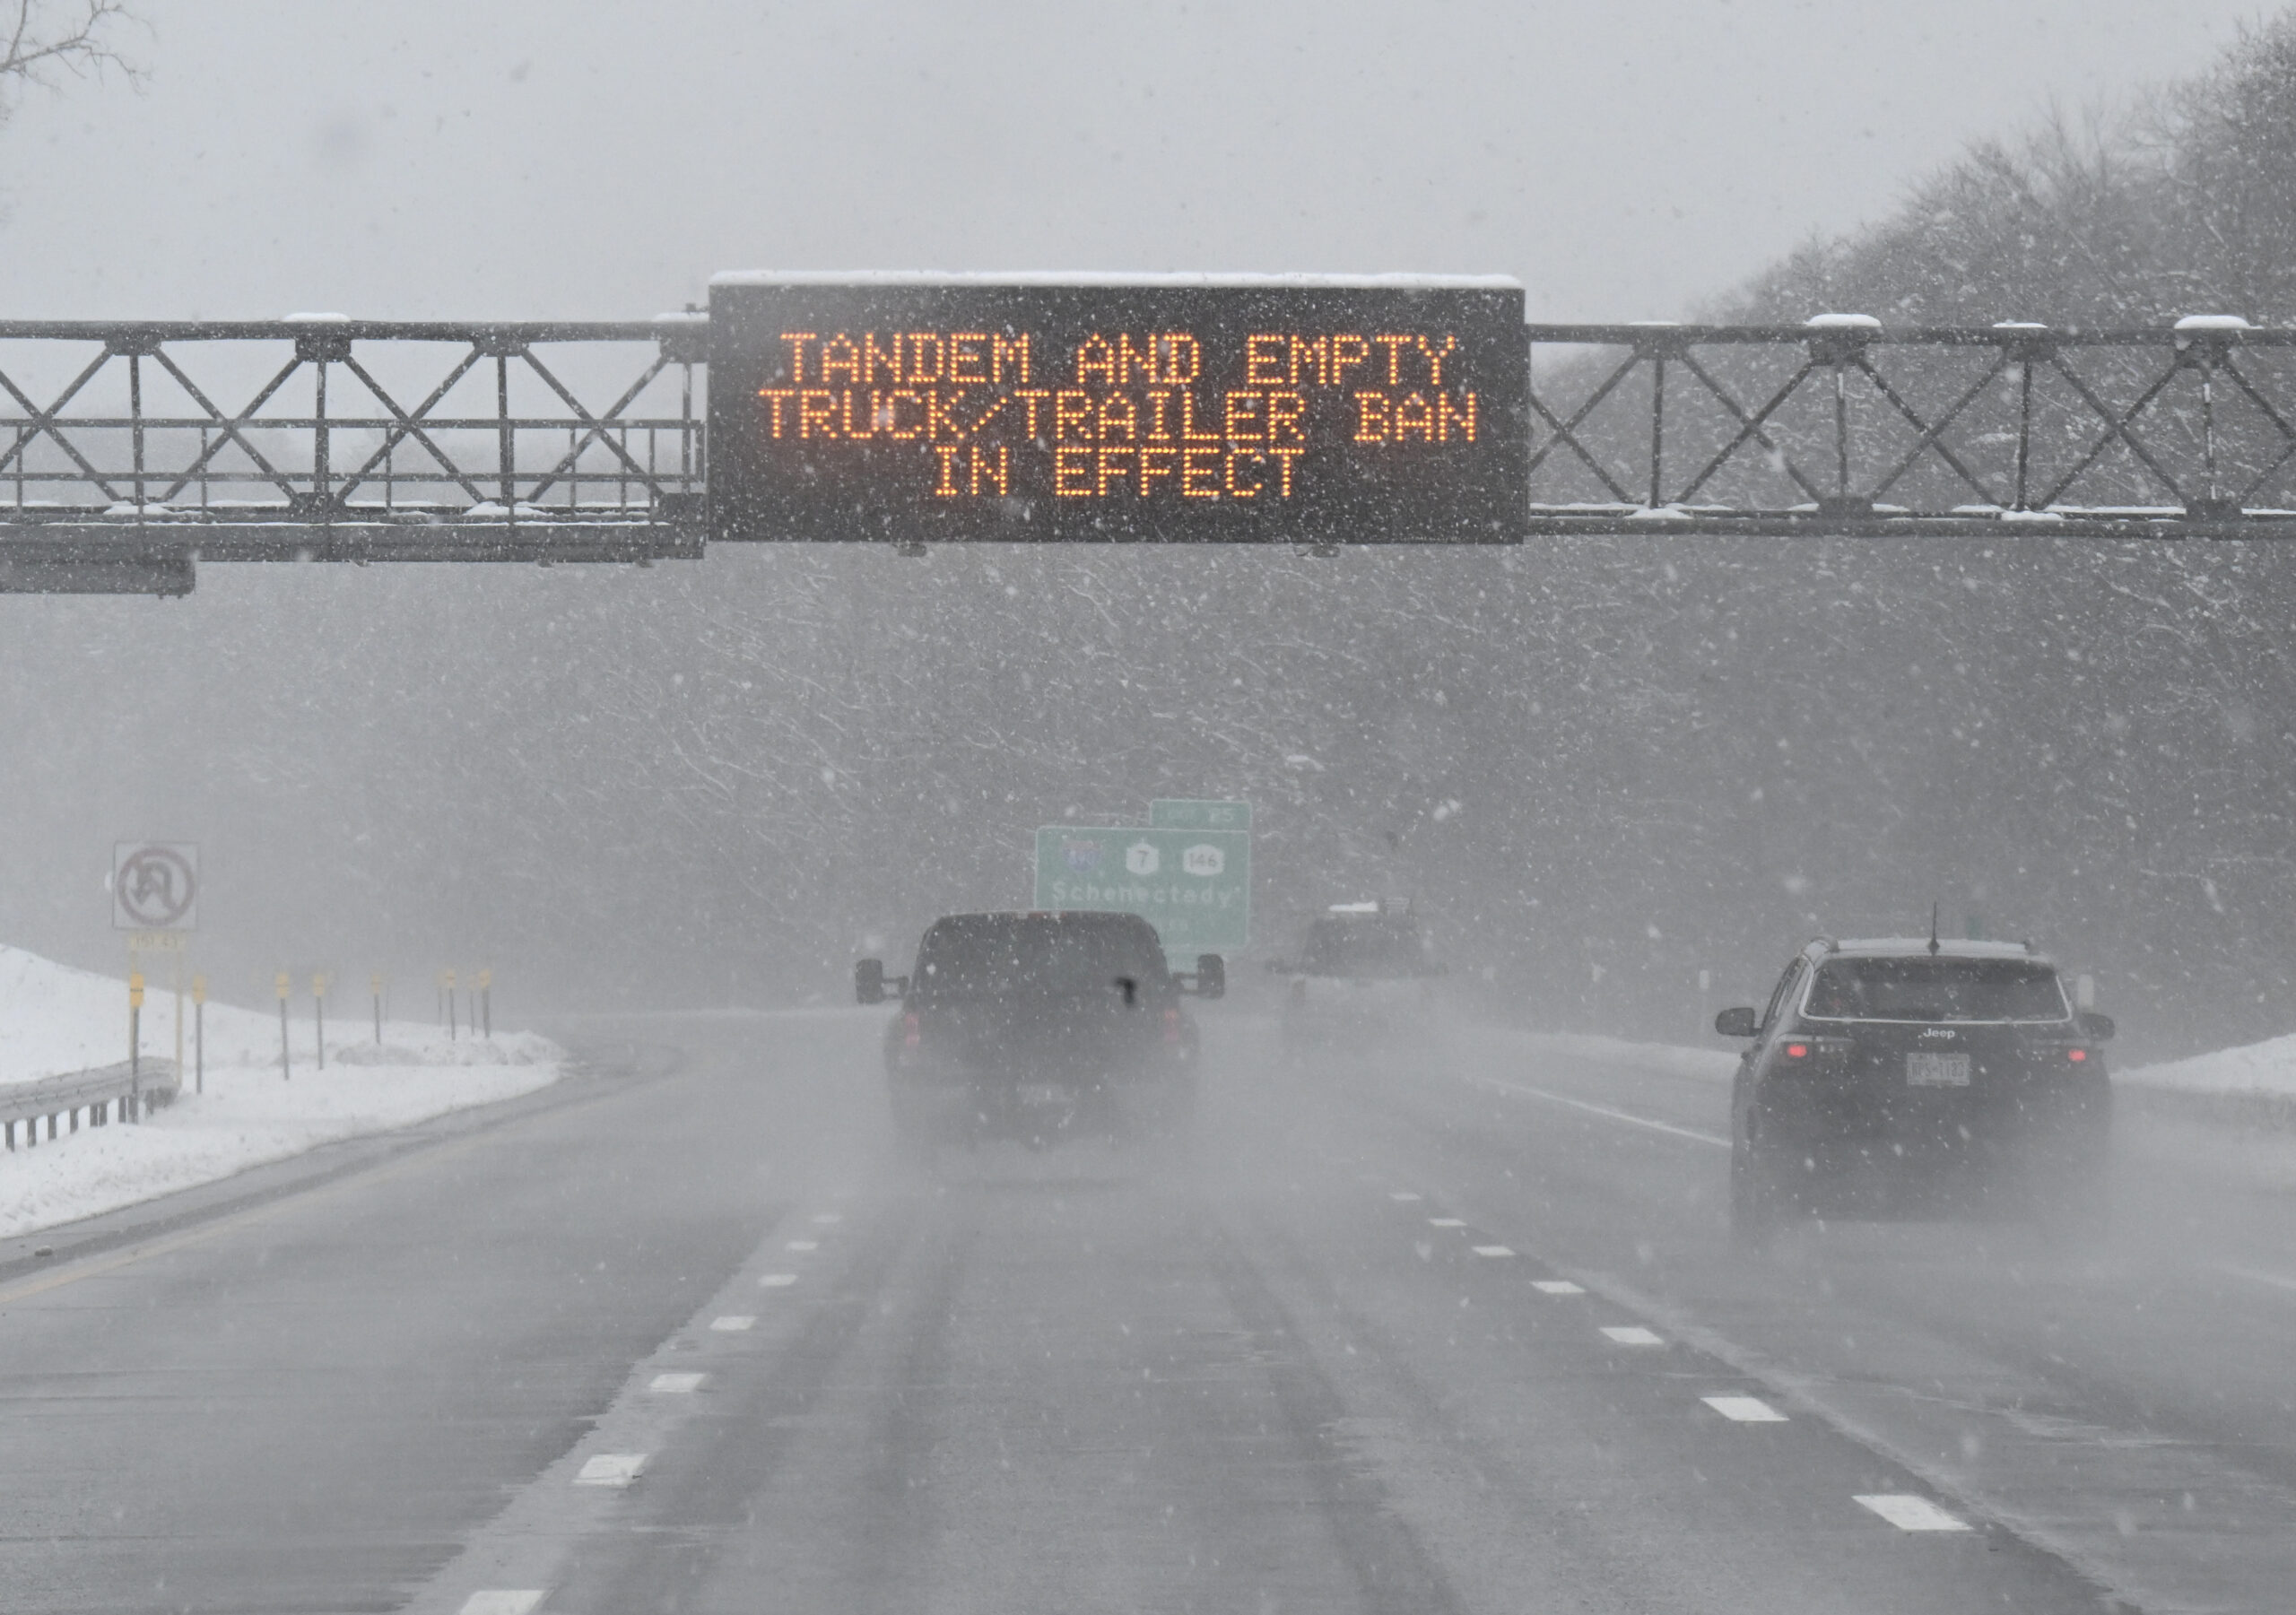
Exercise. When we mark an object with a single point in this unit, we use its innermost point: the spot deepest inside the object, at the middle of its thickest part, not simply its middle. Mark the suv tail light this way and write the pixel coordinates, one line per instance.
(912, 1031)
(1171, 1026)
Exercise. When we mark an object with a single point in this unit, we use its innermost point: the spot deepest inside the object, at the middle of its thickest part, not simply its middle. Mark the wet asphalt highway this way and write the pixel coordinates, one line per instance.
(1448, 1327)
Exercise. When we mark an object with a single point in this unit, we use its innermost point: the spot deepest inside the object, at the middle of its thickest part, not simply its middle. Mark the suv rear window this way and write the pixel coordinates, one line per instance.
(990, 955)
(1367, 948)
(1936, 989)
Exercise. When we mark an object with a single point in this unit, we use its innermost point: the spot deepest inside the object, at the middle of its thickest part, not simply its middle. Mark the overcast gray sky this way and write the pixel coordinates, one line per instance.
(502, 158)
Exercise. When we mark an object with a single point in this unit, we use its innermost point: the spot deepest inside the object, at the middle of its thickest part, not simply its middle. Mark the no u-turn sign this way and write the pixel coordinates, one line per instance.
(155, 886)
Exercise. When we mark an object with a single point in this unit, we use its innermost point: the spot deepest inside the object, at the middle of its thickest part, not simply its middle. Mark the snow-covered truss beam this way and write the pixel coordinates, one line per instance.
(131, 451)
(1845, 426)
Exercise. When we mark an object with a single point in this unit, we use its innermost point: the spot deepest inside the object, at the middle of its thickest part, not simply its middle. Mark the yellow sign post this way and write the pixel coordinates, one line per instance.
(318, 1013)
(199, 1032)
(135, 1045)
(375, 985)
(286, 1069)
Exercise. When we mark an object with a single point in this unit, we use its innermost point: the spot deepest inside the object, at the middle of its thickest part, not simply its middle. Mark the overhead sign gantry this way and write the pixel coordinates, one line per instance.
(913, 410)
(1173, 409)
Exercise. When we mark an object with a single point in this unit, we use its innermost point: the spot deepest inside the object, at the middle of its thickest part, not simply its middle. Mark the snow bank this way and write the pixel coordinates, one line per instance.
(2252, 1084)
(2255, 1070)
(54, 1019)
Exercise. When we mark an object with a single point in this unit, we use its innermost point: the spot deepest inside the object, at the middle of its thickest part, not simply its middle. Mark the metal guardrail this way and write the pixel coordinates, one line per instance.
(131, 450)
(108, 1093)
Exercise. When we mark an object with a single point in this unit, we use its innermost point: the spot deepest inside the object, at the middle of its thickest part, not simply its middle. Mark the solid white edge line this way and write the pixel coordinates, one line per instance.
(1445, 1222)
(1526, 1091)
(2255, 1275)
(1631, 1335)
(1908, 1511)
(733, 1323)
(676, 1384)
(1404, 1195)
(1744, 1410)
(776, 1281)
(1492, 1250)
(802, 1245)
(1558, 1287)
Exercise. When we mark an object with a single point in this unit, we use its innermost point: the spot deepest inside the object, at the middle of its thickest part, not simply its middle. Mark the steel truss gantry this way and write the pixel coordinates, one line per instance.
(131, 451)
(1841, 427)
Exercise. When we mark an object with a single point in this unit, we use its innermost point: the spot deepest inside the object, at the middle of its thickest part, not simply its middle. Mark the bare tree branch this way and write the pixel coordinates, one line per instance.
(38, 37)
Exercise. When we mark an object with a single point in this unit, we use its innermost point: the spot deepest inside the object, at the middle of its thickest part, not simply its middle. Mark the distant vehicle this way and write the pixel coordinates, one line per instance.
(1912, 1078)
(1363, 973)
(1039, 1027)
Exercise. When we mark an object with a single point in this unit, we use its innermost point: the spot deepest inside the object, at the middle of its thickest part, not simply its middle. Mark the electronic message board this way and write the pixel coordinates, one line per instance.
(913, 408)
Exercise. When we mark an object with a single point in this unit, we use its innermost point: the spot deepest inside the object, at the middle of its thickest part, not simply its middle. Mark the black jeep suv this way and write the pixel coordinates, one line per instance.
(1912, 1078)
(1039, 1026)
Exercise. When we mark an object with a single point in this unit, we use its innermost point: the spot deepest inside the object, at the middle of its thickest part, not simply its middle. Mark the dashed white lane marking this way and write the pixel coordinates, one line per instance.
(1907, 1512)
(1405, 1195)
(677, 1385)
(1556, 1287)
(502, 1601)
(1445, 1222)
(776, 1281)
(826, 1217)
(802, 1245)
(1630, 1119)
(732, 1325)
(2255, 1275)
(1744, 1410)
(1631, 1335)
(1491, 1250)
(612, 1468)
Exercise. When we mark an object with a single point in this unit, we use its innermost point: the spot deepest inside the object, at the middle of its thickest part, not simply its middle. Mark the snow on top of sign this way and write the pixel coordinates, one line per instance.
(1054, 278)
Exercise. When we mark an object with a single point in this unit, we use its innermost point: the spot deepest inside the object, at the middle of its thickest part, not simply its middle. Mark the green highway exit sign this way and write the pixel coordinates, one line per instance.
(1169, 813)
(1195, 886)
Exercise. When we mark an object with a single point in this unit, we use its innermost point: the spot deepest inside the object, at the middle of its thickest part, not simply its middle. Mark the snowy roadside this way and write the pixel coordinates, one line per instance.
(55, 1019)
(2250, 1086)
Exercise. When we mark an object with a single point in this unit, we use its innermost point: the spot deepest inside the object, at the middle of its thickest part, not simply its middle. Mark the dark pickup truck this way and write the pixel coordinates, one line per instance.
(1039, 1027)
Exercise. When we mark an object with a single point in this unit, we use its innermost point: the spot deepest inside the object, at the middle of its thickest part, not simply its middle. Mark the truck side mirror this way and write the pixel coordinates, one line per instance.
(1211, 976)
(1738, 1023)
(2095, 1027)
(869, 981)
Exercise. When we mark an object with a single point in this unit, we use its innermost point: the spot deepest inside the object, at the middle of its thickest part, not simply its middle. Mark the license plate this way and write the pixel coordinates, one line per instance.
(1937, 1071)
